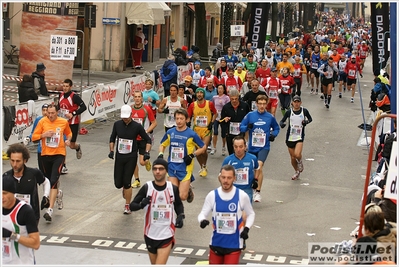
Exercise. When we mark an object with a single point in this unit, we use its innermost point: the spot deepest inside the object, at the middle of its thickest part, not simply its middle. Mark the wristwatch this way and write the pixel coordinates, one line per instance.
(15, 236)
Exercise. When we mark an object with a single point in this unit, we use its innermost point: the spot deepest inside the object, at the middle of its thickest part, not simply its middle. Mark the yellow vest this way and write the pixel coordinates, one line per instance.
(205, 111)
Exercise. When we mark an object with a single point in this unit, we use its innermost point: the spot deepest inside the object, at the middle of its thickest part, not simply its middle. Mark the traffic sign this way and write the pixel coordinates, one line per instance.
(112, 21)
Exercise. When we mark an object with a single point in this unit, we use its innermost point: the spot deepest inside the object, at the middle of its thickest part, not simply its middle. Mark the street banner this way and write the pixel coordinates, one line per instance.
(380, 29)
(391, 187)
(258, 24)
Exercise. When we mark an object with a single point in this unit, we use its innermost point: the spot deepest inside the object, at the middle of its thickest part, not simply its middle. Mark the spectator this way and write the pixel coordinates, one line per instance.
(138, 47)
(38, 80)
(218, 51)
(26, 91)
(168, 74)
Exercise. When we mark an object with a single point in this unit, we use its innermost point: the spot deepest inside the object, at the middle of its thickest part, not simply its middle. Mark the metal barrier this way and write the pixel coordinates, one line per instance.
(368, 172)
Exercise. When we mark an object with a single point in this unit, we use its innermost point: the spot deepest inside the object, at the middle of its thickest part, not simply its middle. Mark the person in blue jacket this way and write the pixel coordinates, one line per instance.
(168, 74)
(263, 129)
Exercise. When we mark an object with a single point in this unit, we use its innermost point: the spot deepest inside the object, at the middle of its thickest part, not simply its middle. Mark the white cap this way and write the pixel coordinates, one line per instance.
(126, 111)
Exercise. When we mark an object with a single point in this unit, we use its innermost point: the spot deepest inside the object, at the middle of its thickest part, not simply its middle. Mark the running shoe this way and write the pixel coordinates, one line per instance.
(48, 214)
(223, 151)
(300, 166)
(203, 172)
(60, 202)
(312, 91)
(213, 151)
(340, 95)
(317, 92)
(64, 170)
(127, 209)
(327, 106)
(148, 166)
(136, 184)
(190, 196)
(209, 148)
(79, 152)
(321, 97)
(295, 176)
(257, 197)
(352, 100)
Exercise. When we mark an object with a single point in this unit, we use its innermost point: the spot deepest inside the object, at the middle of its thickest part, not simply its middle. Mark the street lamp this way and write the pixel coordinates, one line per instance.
(83, 52)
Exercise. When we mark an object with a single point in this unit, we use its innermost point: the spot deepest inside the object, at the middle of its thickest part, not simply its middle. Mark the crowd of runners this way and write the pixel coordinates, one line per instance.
(237, 100)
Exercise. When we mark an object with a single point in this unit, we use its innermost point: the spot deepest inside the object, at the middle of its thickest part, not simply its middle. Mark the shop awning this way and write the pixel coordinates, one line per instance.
(212, 8)
(150, 13)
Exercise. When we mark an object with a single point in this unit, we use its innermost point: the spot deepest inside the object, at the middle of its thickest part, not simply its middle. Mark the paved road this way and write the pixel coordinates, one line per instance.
(291, 214)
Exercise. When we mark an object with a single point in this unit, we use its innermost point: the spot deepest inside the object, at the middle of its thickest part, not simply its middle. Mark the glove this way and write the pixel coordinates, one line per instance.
(361, 75)
(305, 122)
(146, 156)
(45, 203)
(188, 124)
(255, 184)
(210, 126)
(271, 138)
(165, 110)
(244, 233)
(279, 91)
(179, 220)
(26, 140)
(188, 159)
(282, 124)
(250, 126)
(204, 223)
(145, 202)
(160, 156)
(111, 155)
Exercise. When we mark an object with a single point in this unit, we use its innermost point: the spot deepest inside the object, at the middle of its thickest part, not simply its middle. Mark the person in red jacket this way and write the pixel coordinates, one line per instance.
(272, 85)
(299, 70)
(363, 51)
(70, 107)
(351, 70)
(231, 81)
(287, 82)
(263, 72)
(208, 74)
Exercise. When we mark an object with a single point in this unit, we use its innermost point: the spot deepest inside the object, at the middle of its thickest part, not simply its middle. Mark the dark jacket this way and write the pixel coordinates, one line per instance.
(43, 88)
(26, 92)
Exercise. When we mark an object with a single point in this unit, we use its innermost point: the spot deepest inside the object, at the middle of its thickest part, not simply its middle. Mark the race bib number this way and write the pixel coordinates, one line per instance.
(170, 118)
(62, 113)
(297, 72)
(296, 129)
(125, 146)
(352, 72)
(234, 128)
(315, 65)
(242, 176)
(253, 105)
(177, 154)
(273, 94)
(285, 88)
(54, 140)
(201, 121)
(219, 113)
(23, 197)
(226, 223)
(6, 249)
(161, 214)
(258, 139)
(138, 120)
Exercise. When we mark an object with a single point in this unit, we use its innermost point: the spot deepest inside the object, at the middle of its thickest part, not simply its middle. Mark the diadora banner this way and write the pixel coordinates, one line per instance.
(380, 29)
(258, 24)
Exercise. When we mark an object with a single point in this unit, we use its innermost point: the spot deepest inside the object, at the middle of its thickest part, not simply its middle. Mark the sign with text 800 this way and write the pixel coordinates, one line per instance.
(63, 47)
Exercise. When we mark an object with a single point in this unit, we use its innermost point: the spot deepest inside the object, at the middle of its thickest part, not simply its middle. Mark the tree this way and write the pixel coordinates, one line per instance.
(227, 17)
(201, 38)
(288, 21)
(274, 21)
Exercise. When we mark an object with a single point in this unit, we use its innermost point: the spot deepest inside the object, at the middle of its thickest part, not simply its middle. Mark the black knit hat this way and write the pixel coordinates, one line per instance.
(9, 184)
(161, 162)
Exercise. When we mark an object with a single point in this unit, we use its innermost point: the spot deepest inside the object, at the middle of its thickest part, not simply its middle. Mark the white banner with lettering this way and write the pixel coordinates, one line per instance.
(391, 187)
(100, 99)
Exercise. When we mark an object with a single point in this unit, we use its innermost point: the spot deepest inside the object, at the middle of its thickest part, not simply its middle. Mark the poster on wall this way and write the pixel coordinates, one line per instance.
(40, 20)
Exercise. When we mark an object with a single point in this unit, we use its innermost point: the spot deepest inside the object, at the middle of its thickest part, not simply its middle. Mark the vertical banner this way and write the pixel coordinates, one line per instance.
(258, 24)
(39, 21)
(380, 29)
